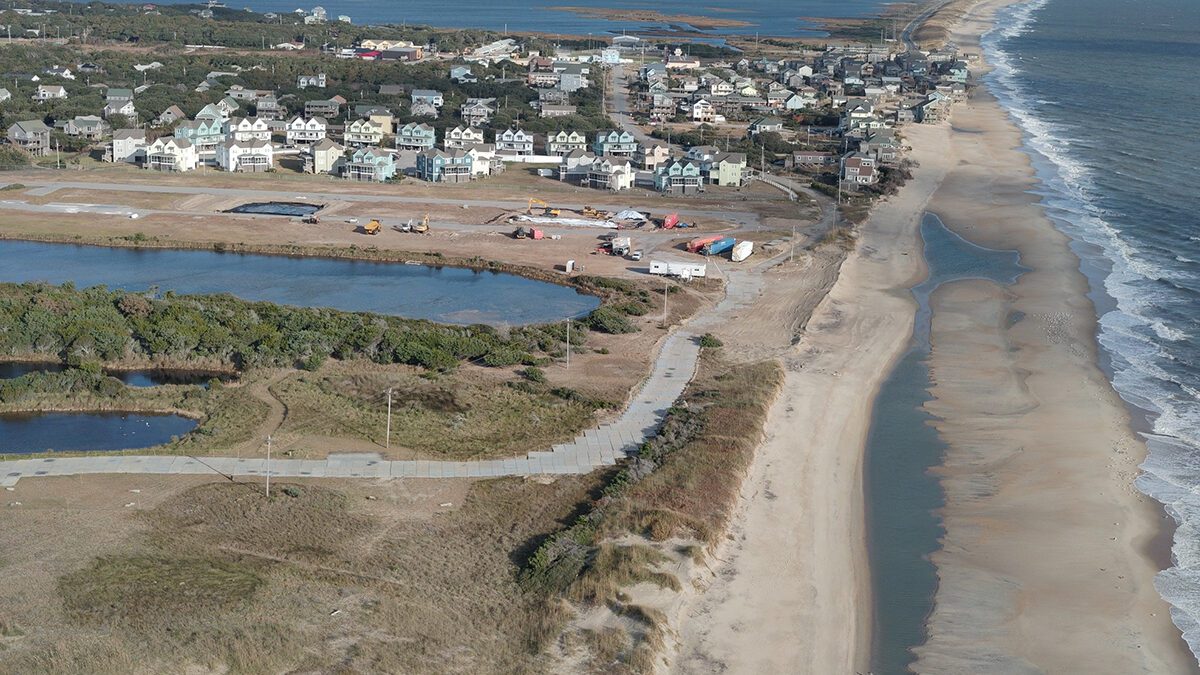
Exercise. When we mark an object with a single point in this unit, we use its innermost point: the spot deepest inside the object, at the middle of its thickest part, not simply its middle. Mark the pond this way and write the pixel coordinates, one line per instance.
(443, 294)
(278, 208)
(24, 433)
(132, 378)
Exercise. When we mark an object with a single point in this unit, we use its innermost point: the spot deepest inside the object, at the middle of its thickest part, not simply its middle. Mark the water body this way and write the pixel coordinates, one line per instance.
(1101, 89)
(902, 446)
(766, 17)
(278, 208)
(443, 294)
(132, 378)
(63, 432)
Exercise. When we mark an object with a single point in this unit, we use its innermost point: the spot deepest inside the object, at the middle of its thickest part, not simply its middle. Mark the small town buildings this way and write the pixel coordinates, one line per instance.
(60, 71)
(484, 161)
(169, 116)
(564, 142)
(462, 75)
(324, 156)
(123, 108)
(516, 142)
(428, 97)
(118, 94)
(650, 155)
(615, 143)
(477, 112)
(363, 132)
(550, 110)
(609, 174)
(328, 108)
(573, 77)
(444, 166)
(681, 61)
(415, 136)
(47, 92)
(461, 138)
(247, 129)
(171, 154)
(305, 131)
(315, 81)
(32, 135)
(128, 145)
(90, 127)
(553, 96)
(860, 169)
(268, 108)
(764, 125)
(203, 134)
(679, 177)
(250, 156)
(807, 159)
(703, 112)
(575, 165)
(369, 164)
(727, 169)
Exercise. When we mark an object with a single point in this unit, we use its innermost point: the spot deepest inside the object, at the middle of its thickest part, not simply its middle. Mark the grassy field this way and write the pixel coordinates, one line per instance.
(317, 578)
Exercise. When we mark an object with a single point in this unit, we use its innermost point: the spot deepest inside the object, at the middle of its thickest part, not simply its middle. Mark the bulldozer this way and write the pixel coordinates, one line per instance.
(594, 213)
(423, 226)
(311, 220)
(546, 210)
(372, 227)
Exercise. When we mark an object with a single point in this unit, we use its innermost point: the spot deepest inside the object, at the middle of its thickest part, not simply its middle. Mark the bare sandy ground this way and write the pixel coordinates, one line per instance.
(792, 594)
(1044, 566)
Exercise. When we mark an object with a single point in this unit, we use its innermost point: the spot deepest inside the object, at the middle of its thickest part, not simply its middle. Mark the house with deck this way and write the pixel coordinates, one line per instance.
(169, 153)
(305, 131)
(461, 138)
(514, 142)
(360, 133)
(369, 164)
(127, 145)
(249, 156)
(324, 156)
(415, 136)
(32, 135)
(444, 166)
(679, 177)
(615, 143)
(564, 142)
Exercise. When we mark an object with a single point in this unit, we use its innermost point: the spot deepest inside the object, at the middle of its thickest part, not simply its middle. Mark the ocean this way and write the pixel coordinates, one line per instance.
(765, 17)
(1103, 91)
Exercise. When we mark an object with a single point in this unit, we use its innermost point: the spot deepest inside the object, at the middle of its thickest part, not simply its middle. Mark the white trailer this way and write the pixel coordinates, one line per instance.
(621, 245)
(741, 251)
(683, 270)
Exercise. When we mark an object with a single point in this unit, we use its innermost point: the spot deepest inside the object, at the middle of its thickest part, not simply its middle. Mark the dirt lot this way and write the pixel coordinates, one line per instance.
(151, 574)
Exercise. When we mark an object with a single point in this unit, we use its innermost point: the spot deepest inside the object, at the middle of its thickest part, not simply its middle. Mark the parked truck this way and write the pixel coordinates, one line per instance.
(741, 251)
(621, 245)
(698, 243)
(528, 233)
(719, 246)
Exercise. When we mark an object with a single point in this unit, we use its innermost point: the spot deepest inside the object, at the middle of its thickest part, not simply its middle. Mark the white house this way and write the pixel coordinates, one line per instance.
(248, 129)
(363, 132)
(306, 81)
(703, 111)
(245, 156)
(171, 154)
(514, 142)
(124, 108)
(461, 138)
(304, 131)
(45, 92)
(128, 145)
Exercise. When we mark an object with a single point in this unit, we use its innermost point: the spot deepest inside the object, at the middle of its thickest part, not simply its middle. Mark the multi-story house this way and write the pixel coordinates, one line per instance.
(32, 135)
(650, 155)
(444, 166)
(128, 145)
(727, 169)
(316, 81)
(516, 142)
(204, 134)
(860, 169)
(477, 112)
(328, 108)
(268, 107)
(124, 108)
(369, 164)
(245, 156)
(247, 129)
(461, 138)
(609, 174)
(564, 142)
(363, 132)
(324, 156)
(428, 97)
(171, 154)
(90, 127)
(679, 177)
(305, 131)
(46, 92)
(415, 136)
(615, 143)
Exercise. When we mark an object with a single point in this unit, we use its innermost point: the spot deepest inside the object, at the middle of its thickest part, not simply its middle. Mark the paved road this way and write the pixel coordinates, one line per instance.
(907, 33)
(618, 104)
(602, 446)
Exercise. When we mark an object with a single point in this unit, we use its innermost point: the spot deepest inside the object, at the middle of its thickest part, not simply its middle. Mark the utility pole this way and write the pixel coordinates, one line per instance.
(268, 467)
(666, 292)
(387, 442)
(792, 255)
(568, 344)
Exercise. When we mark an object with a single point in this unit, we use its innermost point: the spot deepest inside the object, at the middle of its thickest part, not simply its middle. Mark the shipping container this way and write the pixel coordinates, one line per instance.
(719, 246)
(742, 251)
(698, 243)
(670, 221)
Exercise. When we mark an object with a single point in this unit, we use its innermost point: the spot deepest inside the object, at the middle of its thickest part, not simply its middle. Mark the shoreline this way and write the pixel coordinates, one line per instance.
(1043, 452)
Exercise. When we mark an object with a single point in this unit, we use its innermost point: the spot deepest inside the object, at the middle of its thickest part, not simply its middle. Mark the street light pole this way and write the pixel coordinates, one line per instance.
(268, 467)
(387, 442)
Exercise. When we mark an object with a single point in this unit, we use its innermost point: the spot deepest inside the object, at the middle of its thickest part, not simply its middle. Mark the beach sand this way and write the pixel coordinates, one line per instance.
(1046, 563)
(792, 591)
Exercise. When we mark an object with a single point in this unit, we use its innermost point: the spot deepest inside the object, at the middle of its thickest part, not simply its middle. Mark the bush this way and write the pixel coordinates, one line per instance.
(710, 341)
(534, 374)
(609, 320)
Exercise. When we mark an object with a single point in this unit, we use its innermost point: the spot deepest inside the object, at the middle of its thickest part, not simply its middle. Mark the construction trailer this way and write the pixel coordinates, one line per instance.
(674, 268)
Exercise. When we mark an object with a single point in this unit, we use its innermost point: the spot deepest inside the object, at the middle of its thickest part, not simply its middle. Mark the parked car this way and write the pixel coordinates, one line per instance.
(636, 255)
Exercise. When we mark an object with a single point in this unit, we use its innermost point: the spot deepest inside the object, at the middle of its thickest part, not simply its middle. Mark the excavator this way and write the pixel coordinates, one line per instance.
(546, 210)
(419, 228)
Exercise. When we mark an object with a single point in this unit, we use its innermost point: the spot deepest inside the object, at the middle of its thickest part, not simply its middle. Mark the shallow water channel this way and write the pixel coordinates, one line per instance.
(902, 496)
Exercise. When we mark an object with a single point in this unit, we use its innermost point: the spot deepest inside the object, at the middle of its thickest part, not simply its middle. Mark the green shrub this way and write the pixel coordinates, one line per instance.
(710, 341)
(609, 320)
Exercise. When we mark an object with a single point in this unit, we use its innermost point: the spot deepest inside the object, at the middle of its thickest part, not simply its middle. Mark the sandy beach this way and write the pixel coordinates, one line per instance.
(1045, 564)
(792, 593)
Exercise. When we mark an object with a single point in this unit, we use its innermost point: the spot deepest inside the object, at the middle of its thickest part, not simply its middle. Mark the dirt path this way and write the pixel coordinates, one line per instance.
(277, 413)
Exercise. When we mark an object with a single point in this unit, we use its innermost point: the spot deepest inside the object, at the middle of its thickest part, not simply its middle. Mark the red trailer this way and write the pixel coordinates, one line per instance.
(699, 242)
(670, 221)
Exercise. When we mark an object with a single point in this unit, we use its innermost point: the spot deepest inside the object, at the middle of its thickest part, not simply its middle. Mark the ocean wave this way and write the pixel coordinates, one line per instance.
(1141, 341)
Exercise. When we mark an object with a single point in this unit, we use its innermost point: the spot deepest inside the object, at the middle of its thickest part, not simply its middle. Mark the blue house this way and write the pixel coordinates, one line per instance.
(444, 166)
(369, 164)
(616, 143)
